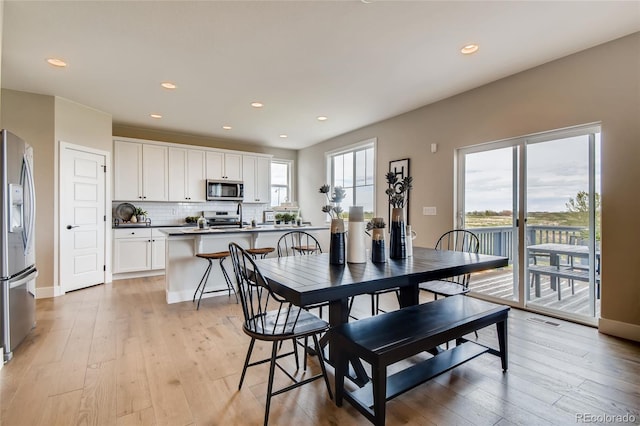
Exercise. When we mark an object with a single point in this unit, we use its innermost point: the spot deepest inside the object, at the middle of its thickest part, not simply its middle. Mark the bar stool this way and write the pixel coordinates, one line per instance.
(262, 252)
(210, 257)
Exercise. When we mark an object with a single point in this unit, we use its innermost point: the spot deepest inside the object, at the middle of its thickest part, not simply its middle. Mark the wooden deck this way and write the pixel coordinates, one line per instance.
(500, 284)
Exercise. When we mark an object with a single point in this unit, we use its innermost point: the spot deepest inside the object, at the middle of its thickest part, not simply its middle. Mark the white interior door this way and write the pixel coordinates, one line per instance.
(82, 218)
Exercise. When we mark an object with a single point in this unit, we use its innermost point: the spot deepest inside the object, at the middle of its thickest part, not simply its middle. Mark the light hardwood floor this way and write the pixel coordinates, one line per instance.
(117, 354)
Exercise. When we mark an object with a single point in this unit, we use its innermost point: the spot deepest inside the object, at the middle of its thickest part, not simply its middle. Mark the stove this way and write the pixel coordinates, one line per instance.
(222, 219)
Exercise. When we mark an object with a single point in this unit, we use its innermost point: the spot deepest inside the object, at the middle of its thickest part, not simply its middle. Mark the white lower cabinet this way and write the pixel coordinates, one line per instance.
(138, 249)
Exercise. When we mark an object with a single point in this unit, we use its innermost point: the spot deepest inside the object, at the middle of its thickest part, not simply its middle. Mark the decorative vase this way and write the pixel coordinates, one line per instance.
(356, 248)
(337, 242)
(378, 254)
(397, 239)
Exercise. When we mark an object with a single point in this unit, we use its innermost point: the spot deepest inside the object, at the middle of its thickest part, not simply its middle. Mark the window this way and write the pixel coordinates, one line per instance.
(354, 170)
(280, 182)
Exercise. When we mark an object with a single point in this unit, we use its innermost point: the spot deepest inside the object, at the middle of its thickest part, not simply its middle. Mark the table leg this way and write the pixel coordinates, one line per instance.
(339, 314)
(409, 295)
(554, 260)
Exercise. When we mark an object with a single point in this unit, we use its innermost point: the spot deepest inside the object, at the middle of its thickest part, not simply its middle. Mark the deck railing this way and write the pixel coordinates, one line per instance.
(498, 240)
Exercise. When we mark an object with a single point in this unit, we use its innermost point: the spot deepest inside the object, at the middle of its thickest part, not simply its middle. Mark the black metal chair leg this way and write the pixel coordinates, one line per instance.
(246, 362)
(322, 366)
(202, 281)
(272, 367)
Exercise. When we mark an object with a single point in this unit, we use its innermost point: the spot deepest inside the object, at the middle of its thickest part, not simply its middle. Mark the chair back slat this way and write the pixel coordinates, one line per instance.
(264, 311)
(463, 241)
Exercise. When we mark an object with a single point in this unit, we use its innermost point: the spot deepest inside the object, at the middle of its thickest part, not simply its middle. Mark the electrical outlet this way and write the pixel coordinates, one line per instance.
(429, 211)
(174, 212)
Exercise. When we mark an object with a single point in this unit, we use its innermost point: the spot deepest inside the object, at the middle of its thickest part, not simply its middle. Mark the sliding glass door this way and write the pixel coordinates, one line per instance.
(562, 226)
(549, 183)
(490, 208)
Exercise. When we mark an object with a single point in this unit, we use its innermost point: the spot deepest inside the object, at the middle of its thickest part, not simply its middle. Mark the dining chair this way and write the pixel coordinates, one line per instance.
(297, 243)
(300, 243)
(268, 317)
(455, 240)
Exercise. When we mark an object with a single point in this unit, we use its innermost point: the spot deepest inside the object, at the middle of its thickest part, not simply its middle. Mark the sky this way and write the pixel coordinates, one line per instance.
(557, 171)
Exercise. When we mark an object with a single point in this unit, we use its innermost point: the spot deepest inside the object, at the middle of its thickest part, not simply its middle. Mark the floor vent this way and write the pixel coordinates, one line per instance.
(543, 321)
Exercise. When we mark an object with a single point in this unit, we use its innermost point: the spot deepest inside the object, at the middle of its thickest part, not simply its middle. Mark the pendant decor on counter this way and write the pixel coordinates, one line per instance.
(397, 239)
(356, 248)
(337, 242)
(378, 251)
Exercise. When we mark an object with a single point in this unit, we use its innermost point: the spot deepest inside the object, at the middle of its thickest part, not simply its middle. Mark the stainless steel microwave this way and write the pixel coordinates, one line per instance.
(224, 190)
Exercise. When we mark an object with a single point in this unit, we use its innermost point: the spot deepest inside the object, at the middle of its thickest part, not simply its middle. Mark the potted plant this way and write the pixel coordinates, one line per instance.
(333, 209)
(140, 214)
(398, 192)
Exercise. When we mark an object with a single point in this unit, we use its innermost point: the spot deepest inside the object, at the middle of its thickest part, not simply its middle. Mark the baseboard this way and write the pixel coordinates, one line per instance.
(619, 329)
(47, 292)
(187, 295)
(139, 274)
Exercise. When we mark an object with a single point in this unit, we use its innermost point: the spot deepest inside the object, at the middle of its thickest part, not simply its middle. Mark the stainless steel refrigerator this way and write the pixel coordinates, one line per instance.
(17, 248)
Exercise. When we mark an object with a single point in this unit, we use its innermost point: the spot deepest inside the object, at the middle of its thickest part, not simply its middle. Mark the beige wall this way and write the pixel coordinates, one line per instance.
(43, 121)
(31, 117)
(601, 84)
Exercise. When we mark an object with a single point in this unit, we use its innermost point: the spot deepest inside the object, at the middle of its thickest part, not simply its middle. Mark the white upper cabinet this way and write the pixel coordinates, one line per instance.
(256, 174)
(186, 175)
(155, 176)
(127, 177)
(140, 172)
(222, 165)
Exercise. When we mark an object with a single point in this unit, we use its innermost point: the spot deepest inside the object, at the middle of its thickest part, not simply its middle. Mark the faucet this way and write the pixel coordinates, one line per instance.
(239, 211)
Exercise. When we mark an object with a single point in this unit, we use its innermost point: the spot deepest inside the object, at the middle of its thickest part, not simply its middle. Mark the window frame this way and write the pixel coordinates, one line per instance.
(353, 148)
(289, 184)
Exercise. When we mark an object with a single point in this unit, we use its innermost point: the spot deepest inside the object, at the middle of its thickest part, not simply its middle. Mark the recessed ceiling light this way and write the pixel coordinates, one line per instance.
(257, 104)
(227, 127)
(284, 136)
(469, 49)
(56, 62)
(155, 115)
(322, 118)
(168, 85)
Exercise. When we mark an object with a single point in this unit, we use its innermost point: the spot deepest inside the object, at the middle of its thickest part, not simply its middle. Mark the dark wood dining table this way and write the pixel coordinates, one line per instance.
(307, 280)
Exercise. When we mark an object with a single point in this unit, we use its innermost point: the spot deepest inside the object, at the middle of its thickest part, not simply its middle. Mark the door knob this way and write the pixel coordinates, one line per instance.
(72, 226)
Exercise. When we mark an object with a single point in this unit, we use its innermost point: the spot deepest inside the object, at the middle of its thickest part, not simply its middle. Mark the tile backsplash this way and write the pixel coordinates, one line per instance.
(171, 214)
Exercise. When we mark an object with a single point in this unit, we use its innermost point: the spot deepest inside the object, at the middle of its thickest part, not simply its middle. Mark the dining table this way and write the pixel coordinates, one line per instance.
(308, 280)
(556, 270)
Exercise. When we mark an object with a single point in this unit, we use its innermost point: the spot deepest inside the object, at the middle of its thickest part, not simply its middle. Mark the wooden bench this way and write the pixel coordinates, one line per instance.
(559, 272)
(391, 337)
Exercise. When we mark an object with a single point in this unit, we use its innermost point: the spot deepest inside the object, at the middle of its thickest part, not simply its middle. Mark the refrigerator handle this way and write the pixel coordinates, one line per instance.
(23, 279)
(32, 203)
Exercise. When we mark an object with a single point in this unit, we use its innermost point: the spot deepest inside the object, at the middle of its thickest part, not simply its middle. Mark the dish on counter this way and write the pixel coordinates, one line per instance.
(125, 211)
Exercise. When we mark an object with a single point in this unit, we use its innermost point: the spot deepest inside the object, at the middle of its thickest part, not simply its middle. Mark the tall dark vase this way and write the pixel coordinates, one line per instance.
(378, 254)
(397, 238)
(337, 242)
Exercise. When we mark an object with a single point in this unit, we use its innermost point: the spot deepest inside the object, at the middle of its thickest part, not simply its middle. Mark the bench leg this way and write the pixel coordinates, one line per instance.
(502, 342)
(379, 380)
(536, 280)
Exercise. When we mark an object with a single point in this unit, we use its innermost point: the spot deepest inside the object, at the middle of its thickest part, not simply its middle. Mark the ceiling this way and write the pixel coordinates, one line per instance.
(354, 62)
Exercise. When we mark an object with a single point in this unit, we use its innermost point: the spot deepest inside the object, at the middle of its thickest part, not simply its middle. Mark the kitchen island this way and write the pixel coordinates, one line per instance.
(183, 270)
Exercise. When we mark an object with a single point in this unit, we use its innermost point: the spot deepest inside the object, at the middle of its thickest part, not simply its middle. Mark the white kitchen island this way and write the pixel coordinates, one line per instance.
(183, 270)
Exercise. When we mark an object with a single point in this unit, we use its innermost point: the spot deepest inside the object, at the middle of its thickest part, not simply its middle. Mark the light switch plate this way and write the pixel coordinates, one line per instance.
(429, 211)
